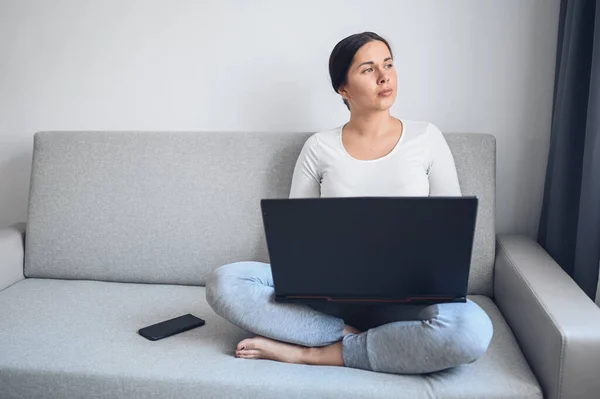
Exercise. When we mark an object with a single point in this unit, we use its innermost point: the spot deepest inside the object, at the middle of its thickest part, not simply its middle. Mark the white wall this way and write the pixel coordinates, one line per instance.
(468, 66)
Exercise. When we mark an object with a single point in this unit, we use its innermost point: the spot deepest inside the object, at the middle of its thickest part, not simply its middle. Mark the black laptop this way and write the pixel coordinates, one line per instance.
(367, 250)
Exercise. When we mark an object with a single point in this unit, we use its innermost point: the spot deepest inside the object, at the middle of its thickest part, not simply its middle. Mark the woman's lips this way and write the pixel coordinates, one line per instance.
(385, 93)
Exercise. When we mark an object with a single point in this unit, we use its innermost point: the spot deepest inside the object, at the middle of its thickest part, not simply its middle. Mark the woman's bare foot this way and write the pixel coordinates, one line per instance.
(265, 348)
(269, 349)
(350, 330)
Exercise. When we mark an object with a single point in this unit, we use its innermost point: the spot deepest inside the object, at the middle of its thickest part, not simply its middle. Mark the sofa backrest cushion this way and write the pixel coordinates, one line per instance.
(168, 207)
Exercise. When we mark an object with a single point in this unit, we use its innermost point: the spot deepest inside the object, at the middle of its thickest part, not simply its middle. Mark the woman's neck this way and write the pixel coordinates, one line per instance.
(371, 124)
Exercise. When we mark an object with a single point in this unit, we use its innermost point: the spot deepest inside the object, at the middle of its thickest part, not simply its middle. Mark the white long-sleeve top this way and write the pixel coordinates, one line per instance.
(420, 164)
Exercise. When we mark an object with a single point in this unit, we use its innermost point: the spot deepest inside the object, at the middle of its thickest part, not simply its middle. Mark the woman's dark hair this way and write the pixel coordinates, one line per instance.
(343, 53)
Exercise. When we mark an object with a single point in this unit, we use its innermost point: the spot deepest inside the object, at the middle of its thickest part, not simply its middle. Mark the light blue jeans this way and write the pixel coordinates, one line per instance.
(400, 339)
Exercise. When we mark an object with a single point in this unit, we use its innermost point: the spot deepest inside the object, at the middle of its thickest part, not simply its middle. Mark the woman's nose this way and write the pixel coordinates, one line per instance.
(383, 79)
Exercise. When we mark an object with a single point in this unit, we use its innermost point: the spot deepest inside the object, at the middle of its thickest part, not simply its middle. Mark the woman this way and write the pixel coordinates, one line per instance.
(374, 154)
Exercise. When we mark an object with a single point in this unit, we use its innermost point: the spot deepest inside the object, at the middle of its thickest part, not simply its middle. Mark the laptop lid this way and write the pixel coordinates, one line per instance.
(370, 249)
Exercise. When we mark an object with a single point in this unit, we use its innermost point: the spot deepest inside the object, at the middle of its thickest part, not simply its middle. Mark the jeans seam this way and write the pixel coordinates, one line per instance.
(368, 352)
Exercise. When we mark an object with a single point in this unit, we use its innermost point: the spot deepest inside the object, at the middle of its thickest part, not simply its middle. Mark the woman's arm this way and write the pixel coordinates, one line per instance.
(443, 178)
(306, 180)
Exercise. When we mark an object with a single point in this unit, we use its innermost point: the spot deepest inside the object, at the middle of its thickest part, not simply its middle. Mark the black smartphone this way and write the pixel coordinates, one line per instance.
(170, 327)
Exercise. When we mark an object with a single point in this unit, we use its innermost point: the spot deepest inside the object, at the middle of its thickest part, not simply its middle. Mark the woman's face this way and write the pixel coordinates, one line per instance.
(371, 81)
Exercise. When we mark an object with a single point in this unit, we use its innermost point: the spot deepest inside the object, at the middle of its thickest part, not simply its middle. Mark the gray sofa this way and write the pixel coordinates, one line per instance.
(124, 227)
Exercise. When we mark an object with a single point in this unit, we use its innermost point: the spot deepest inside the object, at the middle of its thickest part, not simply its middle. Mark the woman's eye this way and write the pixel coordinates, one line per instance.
(368, 70)
(389, 65)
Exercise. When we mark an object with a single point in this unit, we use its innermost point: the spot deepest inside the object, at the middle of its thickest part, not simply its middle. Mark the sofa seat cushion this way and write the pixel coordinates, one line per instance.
(70, 339)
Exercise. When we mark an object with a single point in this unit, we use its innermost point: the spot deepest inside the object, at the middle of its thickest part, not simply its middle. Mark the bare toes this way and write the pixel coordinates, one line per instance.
(243, 344)
(248, 354)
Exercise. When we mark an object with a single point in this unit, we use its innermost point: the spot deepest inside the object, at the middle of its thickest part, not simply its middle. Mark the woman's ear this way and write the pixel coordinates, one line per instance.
(342, 91)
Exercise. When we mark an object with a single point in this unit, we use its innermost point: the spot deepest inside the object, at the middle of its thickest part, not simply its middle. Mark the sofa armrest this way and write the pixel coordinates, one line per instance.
(12, 255)
(554, 321)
